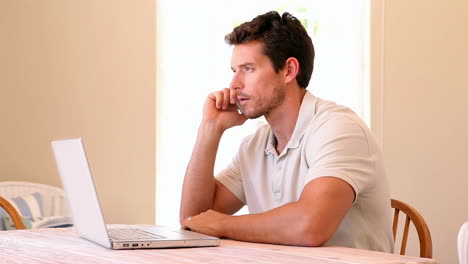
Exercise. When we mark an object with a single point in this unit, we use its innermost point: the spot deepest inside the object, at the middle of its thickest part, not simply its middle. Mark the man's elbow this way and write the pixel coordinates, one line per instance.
(182, 217)
(313, 235)
(312, 240)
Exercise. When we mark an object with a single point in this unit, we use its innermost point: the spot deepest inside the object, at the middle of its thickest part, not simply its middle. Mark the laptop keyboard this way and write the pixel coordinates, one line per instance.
(131, 234)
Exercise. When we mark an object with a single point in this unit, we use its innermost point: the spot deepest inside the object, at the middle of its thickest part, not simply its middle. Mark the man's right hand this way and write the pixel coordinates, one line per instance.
(220, 109)
(220, 113)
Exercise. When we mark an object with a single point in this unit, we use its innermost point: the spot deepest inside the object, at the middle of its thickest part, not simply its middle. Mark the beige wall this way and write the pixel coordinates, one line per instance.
(81, 69)
(420, 110)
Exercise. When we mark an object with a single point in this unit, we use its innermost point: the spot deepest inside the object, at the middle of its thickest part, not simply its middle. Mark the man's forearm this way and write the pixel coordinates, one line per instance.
(284, 225)
(311, 221)
(287, 225)
(199, 185)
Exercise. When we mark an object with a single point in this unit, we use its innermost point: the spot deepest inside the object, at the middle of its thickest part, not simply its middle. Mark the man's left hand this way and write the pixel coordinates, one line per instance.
(209, 223)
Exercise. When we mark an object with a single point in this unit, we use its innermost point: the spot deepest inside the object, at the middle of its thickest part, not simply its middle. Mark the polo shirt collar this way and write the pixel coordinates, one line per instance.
(306, 114)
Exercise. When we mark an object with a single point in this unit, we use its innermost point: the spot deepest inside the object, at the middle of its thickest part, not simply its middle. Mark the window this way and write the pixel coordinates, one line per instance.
(193, 60)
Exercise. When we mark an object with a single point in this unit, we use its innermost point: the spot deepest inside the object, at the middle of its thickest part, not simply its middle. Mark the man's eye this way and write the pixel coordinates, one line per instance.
(248, 69)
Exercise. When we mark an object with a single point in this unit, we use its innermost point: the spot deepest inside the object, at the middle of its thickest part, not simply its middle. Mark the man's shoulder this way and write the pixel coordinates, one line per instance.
(330, 121)
(331, 112)
(341, 125)
(330, 108)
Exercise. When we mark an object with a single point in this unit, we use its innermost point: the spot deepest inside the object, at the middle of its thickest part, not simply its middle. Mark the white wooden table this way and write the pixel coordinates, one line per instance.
(63, 246)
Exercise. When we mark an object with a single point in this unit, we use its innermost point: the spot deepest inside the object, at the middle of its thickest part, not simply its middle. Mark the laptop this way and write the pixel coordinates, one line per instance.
(87, 215)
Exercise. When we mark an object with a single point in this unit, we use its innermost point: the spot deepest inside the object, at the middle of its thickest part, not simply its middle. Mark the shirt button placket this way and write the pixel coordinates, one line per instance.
(277, 179)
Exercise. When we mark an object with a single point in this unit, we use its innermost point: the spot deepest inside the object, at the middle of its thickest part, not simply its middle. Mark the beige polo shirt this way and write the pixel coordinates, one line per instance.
(328, 140)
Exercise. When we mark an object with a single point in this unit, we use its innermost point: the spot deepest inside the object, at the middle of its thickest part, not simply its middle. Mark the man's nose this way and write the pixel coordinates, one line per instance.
(235, 83)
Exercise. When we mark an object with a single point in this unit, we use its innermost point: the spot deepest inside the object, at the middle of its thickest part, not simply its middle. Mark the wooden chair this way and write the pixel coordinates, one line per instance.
(13, 213)
(412, 215)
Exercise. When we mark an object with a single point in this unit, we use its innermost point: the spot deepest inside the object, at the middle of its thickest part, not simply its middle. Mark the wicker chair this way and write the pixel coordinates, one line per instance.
(53, 198)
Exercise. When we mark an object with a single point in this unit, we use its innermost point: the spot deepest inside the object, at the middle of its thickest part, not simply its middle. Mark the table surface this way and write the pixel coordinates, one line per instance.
(61, 245)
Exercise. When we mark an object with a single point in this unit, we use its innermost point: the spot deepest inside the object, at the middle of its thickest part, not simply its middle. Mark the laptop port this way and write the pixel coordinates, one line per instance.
(125, 245)
(135, 245)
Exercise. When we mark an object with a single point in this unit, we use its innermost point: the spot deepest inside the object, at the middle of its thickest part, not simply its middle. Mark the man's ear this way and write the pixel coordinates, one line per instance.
(292, 69)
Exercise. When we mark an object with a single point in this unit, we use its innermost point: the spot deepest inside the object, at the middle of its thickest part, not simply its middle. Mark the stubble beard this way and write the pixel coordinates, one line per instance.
(267, 105)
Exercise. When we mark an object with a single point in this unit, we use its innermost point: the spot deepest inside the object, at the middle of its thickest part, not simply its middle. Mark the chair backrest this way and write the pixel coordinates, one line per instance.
(412, 215)
(53, 198)
(462, 244)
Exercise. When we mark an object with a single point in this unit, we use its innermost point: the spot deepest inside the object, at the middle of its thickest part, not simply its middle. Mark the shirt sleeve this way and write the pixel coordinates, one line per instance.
(231, 178)
(338, 147)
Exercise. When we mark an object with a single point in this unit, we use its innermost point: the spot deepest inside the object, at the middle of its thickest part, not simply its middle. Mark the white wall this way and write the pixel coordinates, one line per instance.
(81, 69)
(420, 110)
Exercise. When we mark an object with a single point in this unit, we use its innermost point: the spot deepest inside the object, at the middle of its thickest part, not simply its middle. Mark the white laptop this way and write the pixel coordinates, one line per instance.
(87, 216)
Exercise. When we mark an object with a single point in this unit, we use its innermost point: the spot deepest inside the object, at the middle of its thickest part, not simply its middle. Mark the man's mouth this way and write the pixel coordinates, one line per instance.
(242, 100)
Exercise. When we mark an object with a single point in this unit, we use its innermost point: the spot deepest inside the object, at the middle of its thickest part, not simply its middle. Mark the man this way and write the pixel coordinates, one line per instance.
(313, 175)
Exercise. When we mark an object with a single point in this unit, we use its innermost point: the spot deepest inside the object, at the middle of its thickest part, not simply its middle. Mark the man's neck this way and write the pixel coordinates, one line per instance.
(283, 119)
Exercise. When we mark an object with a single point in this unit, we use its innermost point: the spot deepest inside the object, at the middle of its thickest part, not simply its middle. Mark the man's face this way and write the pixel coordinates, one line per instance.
(259, 88)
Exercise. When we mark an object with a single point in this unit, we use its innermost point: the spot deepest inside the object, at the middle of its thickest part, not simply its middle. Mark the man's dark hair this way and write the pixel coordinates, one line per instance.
(282, 37)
